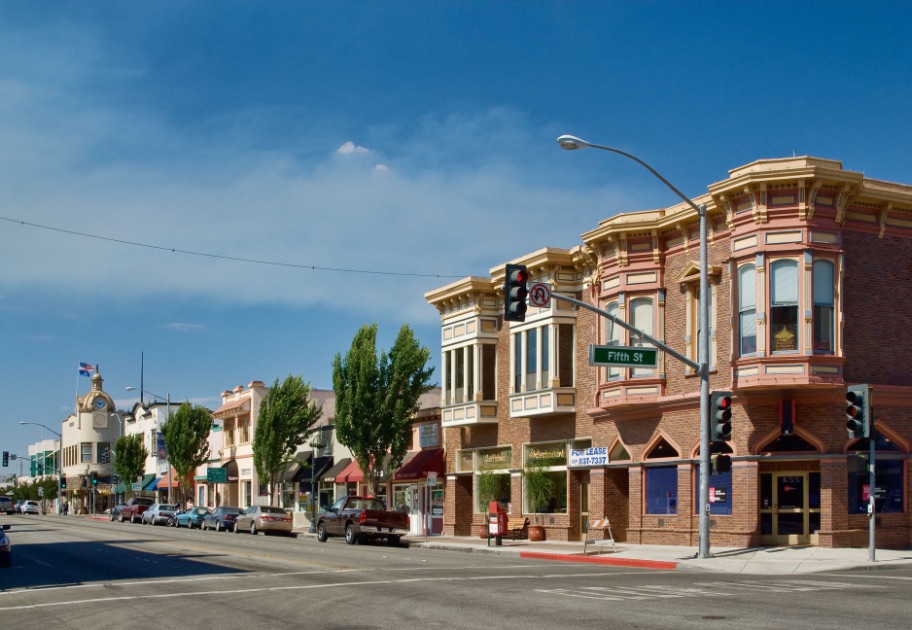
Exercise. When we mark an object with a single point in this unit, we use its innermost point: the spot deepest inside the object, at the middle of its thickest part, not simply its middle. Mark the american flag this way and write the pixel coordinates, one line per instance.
(86, 369)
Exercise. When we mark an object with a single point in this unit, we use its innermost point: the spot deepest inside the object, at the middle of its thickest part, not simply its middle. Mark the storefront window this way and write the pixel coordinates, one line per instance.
(720, 493)
(889, 489)
(492, 477)
(662, 490)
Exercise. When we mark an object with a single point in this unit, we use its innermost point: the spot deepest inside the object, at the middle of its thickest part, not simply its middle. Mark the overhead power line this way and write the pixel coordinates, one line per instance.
(254, 261)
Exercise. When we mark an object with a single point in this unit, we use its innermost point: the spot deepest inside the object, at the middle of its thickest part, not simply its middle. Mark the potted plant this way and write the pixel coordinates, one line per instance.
(539, 489)
(488, 490)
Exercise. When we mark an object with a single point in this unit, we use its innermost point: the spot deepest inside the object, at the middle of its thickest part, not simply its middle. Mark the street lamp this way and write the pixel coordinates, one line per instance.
(317, 443)
(167, 400)
(571, 143)
(59, 453)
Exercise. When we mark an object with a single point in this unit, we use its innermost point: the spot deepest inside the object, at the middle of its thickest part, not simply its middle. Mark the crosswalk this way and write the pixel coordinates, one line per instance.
(697, 589)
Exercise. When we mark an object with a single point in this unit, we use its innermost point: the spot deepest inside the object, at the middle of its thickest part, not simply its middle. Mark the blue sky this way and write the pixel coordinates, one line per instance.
(406, 138)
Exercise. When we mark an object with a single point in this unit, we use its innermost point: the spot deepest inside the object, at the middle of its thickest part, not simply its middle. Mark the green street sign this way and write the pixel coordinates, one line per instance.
(623, 356)
(217, 475)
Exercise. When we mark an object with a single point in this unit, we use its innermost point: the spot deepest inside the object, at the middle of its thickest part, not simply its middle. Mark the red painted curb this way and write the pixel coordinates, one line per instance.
(618, 562)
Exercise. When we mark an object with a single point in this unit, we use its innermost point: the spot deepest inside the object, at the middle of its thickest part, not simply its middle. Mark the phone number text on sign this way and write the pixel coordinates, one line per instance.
(593, 456)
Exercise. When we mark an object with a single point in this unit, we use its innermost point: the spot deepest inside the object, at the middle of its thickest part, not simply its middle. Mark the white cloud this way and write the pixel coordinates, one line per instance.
(350, 147)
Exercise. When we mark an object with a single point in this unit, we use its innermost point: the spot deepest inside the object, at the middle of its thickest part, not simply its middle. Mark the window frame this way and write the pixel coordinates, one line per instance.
(776, 309)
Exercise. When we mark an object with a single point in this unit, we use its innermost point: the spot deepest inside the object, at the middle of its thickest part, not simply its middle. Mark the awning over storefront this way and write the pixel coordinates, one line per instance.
(321, 465)
(294, 468)
(163, 482)
(339, 466)
(423, 462)
(152, 485)
(146, 480)
(120, 488)
(351, 474)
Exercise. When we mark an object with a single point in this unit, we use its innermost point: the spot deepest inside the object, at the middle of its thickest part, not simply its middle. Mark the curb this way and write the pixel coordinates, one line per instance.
(618, 562)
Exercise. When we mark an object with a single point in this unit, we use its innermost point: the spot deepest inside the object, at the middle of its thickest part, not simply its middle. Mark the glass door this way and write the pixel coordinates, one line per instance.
(786, 502)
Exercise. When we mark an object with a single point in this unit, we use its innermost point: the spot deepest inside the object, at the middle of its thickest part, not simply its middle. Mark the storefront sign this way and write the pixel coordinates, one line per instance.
(217, 475)
(428, 435)
(548, 455)
(593, 456)
(718, 495)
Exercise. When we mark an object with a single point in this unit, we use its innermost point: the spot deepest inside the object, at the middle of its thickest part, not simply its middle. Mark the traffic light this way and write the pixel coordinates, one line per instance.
(5, 459)
(94, 479)
(720, 417)
(858, 411)
(722, 463)
(63, 483)
(515, 293)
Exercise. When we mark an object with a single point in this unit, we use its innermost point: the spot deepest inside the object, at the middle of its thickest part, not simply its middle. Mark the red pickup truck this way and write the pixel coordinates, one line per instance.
(131, 510)
(359, 519)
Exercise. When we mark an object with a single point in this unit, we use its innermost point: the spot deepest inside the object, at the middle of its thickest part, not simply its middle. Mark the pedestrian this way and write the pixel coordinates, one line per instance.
(66, 508)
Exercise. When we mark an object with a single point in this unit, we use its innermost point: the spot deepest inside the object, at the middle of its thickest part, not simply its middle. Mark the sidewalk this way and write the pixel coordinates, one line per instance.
(756, 561)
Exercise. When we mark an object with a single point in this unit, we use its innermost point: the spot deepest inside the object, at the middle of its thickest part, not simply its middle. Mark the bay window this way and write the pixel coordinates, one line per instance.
(824, 298)
(542, 354)
(747, 309)
(641, 317)
(784, 306)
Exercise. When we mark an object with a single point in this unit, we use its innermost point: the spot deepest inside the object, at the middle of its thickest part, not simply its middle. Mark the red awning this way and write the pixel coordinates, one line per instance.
(351, 474)
(163, 482)
(431, 460)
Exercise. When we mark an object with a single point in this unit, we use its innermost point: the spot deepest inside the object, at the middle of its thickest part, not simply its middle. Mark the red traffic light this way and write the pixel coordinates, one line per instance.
(724, 402)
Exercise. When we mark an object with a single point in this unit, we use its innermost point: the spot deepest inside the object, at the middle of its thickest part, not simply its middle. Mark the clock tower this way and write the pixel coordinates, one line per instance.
(97, 403)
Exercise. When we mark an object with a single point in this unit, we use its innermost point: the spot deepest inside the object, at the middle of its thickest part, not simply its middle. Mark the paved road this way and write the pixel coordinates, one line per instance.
(90, 574)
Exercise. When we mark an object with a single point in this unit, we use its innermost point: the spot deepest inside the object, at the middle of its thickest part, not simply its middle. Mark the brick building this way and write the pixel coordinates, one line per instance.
(810, 270)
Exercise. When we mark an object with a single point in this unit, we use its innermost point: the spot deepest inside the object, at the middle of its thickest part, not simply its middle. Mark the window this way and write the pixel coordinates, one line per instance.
(641, 317)
(888, 478)
(541, 354)
(245, 430)
(720, 493)
(85, 453)
(550, 459)
(784, 306)
(229, 432)
(747, 309)
(612, 338)
(662, 490)
(824, 288)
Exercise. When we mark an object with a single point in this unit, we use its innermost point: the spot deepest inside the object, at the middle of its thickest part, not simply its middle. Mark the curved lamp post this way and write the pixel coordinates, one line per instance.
(59, 453)
(317, 443)
(571, 143)
(167, 400)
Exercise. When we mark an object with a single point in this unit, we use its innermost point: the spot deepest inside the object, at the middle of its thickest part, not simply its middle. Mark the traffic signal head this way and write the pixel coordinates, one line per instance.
(63, 483)
(5, 458)
(722, 463)
(515, 293)
(94, 479)
(858, 411)
(720, 417)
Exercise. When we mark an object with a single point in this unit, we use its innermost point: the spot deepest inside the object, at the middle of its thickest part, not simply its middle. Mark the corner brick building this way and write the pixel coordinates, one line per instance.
(810, 270)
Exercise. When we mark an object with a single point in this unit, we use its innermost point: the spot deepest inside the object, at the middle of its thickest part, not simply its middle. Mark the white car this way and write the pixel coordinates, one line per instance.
(30, 507)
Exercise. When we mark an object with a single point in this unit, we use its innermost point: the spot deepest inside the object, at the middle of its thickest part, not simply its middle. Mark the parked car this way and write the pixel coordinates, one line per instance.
(263, 518)
(7, 505)
(190, 518)
(131, 510)
(6, 547)
(18, 507)
(158, 514)
(222, 518)
(30, 507)
(362, 518)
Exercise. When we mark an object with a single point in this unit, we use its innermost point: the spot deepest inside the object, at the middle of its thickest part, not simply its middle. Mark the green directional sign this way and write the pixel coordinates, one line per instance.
(217, 475)
(623, 356)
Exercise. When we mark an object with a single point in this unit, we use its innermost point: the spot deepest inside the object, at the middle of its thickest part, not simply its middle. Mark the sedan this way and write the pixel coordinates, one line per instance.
(190, 518)
(158, 514)
(18, 506)
(30, 507)
(263, 518)
(6, 547)
(222, 518)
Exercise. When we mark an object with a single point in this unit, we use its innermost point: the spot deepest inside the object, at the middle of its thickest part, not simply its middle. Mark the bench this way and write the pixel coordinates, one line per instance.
(517, 527)
(599, 525)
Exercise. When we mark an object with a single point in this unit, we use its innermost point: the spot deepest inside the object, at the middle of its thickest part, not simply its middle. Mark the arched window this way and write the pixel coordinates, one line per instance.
(784, 306)
(824, 290)
(747, 310)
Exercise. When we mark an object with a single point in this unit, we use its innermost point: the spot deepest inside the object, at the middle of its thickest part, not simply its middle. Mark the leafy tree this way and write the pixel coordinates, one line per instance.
(186, 437)
(130, 456)
(377, 399)
(286, 417)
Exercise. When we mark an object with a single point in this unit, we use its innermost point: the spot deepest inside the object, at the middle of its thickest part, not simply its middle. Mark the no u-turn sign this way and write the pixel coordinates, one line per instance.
(540, 294)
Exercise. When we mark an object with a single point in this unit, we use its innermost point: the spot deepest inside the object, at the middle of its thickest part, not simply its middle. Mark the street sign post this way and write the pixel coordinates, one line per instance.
(217, 475)
(623, 356)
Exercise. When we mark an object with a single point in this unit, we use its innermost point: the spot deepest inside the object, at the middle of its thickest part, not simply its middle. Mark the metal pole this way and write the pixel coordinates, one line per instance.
(571, 143)
(703, 340)
(167, 461)
(871, 480)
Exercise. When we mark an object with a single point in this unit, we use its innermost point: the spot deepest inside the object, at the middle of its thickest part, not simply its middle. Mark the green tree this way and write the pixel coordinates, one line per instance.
(377, 399)
(130, 456)
(286, 418)
(539, 488)
(186, 437)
